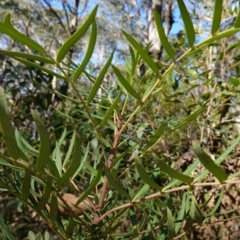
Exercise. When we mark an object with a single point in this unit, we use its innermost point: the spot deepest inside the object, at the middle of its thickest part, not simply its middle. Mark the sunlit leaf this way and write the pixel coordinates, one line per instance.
(148, 60)
(217, 15)
(75, 163)
(161, 33)
(45, 144)
(89, 52)
(195, 212)
(7, 129)
(215, 208)
(111, 109)
(190, 32)
(125, 84)
(7, 28)
(69, 43)
(170, 224)
(237, 21)
(99, 80)
(27, 56)
(208, 163)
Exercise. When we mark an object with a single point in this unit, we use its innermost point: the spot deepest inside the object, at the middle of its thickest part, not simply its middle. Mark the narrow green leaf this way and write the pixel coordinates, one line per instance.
(217, 36)
(195, 212)
(31, 235)
(155, 138)
(7, 28)
(172, 172)
(237, 21)
(161, 33)
(46, 194)
(45, 144)
(6, 231)
(144, 175)
(32, 64)
(84, 159)
(58, 159)
(69, 43)
(221, 158)
(148, 60)
(91, 187)
(115, 185)
(142, 192)
(180, 217)
(208, 163)
(70, 227)
(190, 32)
(26, 186)
(215, 208)
(7, 129)
(70, 149)
(22, 150)
(39, 236)
(76, 160)
(217, 15)
(27, 56)
(111, 109)
(89, 52)
(99, 80)
(53, 169)
(150, 231)
(170, 224)
(124, 83)
(54, 207)
(134, 61)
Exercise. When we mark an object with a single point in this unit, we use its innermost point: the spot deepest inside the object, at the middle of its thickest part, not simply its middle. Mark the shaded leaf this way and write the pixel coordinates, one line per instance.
(144, 175)
(155, 138)
(45, 144)
(143, 53)
(91, 187)
(99, 80)
(7, 129)
(115, 185)
(46, 194)
(172, 172)
(89, 52)
(125, 84)
(7, 28)
(69, 43)
(26, 186)
(190, 32)
(208, 163)
(54, 207)
(161, 33)
(217, 14)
